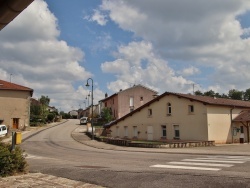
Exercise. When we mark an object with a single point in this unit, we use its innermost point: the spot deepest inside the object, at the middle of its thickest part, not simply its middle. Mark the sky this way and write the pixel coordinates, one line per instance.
(54, 47)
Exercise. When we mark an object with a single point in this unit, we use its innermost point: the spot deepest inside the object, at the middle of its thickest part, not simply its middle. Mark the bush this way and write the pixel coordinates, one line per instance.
(11, 162)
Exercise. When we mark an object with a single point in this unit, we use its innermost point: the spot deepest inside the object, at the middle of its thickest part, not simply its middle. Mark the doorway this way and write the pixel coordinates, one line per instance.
(15, 123)
(150, 132)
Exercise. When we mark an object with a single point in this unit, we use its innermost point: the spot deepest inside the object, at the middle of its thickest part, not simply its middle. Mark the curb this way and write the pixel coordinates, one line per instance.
(154, 150)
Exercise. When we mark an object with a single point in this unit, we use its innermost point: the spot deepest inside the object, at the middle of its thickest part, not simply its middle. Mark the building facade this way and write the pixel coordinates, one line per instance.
(15, 105)
(173, 116)
(125, 101)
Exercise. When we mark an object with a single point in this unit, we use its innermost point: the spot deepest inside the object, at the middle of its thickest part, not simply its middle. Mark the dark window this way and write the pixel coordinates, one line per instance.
(190, 108)
(241, 129)
(169, 109)
(164, 131)
(176, 131)
(141, 98)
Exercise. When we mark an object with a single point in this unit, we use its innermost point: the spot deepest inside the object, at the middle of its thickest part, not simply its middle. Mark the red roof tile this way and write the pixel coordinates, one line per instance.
(11, 86)
(244, 116)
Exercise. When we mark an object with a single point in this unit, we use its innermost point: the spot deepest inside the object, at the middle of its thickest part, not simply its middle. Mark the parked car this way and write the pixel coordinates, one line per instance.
(3, 130)
(83, 120)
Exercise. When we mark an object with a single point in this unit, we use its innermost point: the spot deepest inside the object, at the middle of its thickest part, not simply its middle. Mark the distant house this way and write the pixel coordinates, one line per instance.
(184, 117)
(125, 101)
(15, 105)
(73, 114)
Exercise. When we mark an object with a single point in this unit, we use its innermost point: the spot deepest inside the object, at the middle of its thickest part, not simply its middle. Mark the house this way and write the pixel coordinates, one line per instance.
(15, 105)
(175, 116)
(125, 101)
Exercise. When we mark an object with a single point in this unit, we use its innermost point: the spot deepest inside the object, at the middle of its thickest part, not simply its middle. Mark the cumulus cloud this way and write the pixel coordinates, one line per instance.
(32, 54)
(206, 33)
(138, 64)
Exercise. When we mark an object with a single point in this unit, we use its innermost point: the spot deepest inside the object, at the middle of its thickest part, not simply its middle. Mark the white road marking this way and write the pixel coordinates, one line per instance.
(201, 164)
(185, 167)
(225, 159)
(214, 161)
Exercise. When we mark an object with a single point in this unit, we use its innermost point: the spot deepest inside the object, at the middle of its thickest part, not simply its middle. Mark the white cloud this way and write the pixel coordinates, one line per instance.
(31, 51)
(97, 17)
(190, 71)
(206, 33)
(138, 64)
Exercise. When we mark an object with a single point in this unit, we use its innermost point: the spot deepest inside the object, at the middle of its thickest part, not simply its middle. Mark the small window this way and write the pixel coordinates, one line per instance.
(106, 104)
(164, 130)
(150, 112)
(169, 109)
(191, 108)
(176, 131)
(141, 98)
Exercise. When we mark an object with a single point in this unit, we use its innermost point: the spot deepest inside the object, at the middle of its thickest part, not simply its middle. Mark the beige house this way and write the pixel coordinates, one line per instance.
(183, 117)
(15, 105)
(125, 101)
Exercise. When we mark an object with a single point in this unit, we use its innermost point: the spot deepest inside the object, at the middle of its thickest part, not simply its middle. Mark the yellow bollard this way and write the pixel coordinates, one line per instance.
(18, 138)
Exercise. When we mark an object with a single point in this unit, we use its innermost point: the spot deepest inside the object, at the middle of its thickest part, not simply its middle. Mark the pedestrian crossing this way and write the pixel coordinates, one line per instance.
(208, 163)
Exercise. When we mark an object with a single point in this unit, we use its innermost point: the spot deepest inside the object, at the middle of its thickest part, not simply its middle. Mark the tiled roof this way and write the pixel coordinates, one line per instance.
(203, 99)
(244, 116)
(11, 86)
(213, 100)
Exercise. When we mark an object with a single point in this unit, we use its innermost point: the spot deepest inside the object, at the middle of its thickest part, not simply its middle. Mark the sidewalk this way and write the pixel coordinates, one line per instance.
(222, 149)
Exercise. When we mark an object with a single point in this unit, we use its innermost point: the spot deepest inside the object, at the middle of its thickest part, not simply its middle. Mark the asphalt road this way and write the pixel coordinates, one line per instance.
(54, 152)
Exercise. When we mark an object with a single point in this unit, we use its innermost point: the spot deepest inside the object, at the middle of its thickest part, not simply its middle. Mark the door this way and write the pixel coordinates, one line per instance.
(15, 123)
(150, 132)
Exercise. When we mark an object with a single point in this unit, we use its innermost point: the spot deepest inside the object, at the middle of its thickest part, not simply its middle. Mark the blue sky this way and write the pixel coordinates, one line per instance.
(55, 46)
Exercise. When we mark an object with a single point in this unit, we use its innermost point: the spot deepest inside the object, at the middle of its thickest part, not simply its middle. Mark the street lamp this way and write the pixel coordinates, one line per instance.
(87, 85)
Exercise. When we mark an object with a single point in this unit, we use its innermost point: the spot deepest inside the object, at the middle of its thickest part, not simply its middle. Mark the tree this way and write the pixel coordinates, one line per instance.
(247, 95)
(198, 93)
(210, 93)
(106, 115)
(45, 103)
(235, 94)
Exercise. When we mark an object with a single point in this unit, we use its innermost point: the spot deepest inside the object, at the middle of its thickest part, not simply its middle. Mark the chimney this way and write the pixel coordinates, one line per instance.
(106, 95)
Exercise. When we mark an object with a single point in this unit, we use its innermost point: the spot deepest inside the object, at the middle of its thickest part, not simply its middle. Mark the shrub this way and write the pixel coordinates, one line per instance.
(11, 162)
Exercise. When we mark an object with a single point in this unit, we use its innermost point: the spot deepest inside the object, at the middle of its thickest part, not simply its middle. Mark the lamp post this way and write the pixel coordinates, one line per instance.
(87, 85)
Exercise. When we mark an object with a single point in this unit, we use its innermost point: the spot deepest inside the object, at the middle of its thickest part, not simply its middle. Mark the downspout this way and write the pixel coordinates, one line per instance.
(231, 117)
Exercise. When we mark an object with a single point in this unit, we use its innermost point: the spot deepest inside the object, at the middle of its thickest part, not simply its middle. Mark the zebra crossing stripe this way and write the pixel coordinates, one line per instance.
(214, 161)
(185, 167)
(201, 164)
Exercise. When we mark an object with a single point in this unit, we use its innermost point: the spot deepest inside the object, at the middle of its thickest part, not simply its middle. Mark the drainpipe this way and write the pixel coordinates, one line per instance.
(231, 117)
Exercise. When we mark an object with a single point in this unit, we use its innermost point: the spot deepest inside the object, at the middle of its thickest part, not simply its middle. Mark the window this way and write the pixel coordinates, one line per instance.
(106, 104)
(150, 112)
(169, 109)
(191, 108)
(176, 131)
(141, 98)
(164, 130)
(135, 131)
(125, 131)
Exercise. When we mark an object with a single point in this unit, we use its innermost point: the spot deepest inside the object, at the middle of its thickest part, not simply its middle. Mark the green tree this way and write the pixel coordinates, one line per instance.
(247, 95)
(107, 115)
(44, 104)
(209, 93)
(235, 94)
(198, 93)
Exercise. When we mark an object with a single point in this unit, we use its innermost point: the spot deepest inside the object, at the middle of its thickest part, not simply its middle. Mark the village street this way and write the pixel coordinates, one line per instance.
(53, 151)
